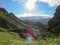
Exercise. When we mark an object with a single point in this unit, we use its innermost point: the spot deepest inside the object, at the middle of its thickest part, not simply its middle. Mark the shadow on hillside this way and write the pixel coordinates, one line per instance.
(20, 32)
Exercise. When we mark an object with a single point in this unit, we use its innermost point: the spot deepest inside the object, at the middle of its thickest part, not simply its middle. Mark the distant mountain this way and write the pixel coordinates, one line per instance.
(36, 19)
(38, 25)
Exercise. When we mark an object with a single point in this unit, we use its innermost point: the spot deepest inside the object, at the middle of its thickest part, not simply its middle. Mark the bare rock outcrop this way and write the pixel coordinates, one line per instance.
(54, 23)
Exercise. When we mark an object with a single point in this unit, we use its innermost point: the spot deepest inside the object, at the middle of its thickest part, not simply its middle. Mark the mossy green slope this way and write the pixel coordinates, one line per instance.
(7, 22)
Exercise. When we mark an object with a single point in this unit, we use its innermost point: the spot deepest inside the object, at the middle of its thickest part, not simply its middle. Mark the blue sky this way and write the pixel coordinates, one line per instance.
(26, 8)
(11, 6)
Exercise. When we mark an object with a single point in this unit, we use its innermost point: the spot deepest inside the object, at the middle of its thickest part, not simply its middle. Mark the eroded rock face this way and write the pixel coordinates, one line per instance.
(56, 19)
(3, 10)
(54, 23)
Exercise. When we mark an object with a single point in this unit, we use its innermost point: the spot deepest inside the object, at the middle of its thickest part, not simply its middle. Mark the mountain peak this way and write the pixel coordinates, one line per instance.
(2, 9)
(59, 6)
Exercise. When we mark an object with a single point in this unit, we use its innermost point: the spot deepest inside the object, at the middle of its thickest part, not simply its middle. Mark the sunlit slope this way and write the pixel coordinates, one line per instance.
(10, 38)
(8, 22)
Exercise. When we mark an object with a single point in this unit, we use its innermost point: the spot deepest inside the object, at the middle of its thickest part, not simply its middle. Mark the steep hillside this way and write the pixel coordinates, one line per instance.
(54, 23)
(10, 21)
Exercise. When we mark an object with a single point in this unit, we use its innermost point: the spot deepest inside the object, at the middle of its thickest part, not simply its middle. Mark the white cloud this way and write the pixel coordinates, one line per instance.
(34, 15)
(32, 2)
(26, 15)
(30, 5)
(20, 1)
(51, 2)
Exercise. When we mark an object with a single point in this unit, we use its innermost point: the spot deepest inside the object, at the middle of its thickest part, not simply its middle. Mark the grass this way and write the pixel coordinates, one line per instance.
(11, 38)
(11, 22)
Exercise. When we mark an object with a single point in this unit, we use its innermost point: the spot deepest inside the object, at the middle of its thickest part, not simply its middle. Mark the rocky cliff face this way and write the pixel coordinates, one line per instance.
(54, 23)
